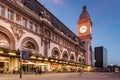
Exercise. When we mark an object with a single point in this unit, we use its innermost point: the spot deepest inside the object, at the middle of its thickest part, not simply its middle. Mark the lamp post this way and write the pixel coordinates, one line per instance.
(94, 62)
(20, 65)
(82, 64)
(24, 55)
(111, 67)
(94, 65)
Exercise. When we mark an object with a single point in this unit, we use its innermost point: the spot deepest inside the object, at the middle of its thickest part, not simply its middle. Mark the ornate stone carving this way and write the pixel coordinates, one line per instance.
(44, 13)
(45, 16)
(17, 30)
(17, 0)
(61, 48)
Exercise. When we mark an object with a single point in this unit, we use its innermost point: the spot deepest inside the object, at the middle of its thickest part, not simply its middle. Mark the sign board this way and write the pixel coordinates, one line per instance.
(25, 55)
(116, 70)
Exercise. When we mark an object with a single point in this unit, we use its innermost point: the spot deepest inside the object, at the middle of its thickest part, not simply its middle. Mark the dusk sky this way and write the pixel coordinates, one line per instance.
(105, 16)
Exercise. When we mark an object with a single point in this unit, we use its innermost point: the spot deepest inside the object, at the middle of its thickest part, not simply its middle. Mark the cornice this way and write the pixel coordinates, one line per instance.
(18, 29)
(17, 6)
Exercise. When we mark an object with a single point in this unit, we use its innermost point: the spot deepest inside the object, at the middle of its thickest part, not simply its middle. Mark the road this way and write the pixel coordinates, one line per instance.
(63, 76)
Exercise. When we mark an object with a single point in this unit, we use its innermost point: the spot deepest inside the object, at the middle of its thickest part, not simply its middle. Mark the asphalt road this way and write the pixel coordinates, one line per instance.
(63, 76)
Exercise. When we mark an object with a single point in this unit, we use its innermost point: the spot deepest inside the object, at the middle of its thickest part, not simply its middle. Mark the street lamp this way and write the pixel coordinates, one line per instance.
(111, 64)
(20, 65)
(82, 62)
(94, 64)
(111, 67)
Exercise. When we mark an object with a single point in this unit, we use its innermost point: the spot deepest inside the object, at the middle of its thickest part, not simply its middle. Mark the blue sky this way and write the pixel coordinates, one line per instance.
(105, 16)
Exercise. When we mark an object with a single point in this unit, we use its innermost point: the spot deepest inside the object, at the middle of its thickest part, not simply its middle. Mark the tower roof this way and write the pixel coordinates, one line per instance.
(84, 13)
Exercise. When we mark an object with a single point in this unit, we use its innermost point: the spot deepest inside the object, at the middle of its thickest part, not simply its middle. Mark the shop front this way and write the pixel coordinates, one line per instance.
(9, 65)
(4, 64)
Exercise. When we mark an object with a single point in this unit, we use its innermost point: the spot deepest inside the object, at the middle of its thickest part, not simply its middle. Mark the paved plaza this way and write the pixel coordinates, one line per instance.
(63, 76)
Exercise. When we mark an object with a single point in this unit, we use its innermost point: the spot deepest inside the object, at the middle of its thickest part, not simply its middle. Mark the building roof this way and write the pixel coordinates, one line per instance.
(36, 7)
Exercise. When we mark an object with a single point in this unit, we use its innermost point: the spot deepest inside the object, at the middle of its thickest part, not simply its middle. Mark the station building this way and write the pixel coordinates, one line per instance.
(26, 25)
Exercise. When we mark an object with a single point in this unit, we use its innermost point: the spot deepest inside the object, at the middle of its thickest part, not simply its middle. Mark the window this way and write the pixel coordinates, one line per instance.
(2, 10)
(24, 22)
(18, 17)
(4, 42)
(53, 37)
(30, 25)
(10, 15)
(35, 28)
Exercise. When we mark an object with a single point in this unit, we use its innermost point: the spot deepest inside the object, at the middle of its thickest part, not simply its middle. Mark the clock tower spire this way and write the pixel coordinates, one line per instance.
(85, 34)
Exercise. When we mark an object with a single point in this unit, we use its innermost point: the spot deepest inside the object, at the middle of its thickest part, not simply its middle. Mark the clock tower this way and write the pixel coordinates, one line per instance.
(85, 34)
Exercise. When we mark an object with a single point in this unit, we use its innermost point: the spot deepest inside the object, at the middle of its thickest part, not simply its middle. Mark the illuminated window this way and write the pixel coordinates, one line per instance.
(10, 15)
(2, 10)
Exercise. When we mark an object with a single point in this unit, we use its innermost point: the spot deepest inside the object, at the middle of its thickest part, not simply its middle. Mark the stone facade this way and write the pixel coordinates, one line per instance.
(28, 25)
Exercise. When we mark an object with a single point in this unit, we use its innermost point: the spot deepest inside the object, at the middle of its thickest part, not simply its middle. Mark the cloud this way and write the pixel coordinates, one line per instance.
(56, 1)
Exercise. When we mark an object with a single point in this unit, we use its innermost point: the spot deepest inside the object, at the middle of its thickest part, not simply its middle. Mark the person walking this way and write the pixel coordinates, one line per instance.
(40, 72)
(81, 71)
(36, 71)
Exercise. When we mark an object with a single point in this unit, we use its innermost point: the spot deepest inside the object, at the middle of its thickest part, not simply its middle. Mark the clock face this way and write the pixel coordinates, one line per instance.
(83, 29)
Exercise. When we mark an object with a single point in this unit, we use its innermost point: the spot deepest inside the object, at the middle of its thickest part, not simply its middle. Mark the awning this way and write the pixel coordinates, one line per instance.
(43, 64)
(55, 64)
(28, 63)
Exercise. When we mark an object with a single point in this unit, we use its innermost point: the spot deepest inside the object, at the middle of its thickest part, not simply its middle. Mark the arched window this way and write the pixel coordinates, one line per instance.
(55, 54)
(4, 42)
(29, 45)
(72, 58)
(80, 60)
(65, 56)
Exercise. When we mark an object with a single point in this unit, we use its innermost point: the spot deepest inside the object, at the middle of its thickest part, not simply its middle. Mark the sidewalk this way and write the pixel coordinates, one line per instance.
(63, 76)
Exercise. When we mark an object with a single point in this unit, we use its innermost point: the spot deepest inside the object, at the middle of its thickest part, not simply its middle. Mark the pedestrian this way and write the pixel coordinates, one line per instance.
(40, 72)
(13, 71)
(36, 71)
(80, 72)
